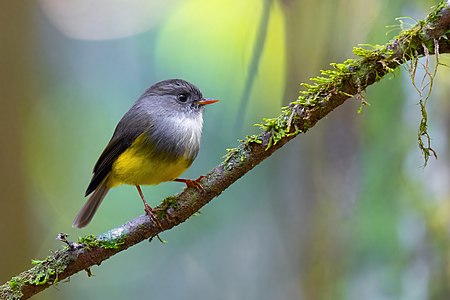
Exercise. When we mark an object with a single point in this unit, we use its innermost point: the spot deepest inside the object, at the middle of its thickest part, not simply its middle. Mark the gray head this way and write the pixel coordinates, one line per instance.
(170, 112)
(173, 96)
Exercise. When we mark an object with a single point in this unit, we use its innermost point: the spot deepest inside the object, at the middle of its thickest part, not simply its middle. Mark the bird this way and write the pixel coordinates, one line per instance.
(156, 141)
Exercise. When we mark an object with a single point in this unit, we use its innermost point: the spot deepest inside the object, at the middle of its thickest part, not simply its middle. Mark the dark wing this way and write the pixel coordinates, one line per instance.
(129, 128)
(104, 164)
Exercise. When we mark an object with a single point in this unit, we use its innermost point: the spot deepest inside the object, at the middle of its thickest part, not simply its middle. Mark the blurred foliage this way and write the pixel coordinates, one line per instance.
(344, 212)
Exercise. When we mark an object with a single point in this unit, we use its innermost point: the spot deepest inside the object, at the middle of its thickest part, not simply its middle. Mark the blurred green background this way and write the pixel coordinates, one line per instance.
(343, 212)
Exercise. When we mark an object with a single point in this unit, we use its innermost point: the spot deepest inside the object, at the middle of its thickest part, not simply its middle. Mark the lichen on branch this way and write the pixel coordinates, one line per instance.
(350, 78)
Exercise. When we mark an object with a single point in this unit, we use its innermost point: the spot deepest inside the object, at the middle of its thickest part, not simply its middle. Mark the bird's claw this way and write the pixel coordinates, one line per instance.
(193, 183)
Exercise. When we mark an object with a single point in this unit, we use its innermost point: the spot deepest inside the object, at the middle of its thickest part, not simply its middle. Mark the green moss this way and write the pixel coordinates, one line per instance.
(364, 103)
(323, 87)
(371, 52)
(231, 152)
(419, 41)
(47, 270)
(255, 138)
(44, 272)
(433, 17)
(91, 241)
(238, 154)
(278, 128)
(320, 90)
(169, 202)
(16, 285)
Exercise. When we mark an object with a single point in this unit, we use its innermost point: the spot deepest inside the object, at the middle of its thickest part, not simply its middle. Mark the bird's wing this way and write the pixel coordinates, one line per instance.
(115, 147)
(127, 131)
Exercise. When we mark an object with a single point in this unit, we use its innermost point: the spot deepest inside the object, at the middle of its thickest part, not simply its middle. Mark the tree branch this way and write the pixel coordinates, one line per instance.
(336, 86)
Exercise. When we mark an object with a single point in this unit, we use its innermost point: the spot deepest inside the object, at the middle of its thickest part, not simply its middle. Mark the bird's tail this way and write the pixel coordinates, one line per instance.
(90, 207)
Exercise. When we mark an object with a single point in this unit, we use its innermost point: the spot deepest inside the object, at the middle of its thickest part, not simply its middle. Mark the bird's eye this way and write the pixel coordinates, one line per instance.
(182, 97)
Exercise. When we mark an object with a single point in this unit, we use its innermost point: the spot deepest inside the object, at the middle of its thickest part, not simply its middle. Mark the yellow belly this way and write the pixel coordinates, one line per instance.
(135, 166)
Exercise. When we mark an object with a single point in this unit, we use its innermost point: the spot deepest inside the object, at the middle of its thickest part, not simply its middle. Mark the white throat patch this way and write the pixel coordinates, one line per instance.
(190, 130)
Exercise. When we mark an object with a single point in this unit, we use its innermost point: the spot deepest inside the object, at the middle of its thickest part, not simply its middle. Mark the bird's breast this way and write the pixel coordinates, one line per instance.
(178, 135)
(161, 154)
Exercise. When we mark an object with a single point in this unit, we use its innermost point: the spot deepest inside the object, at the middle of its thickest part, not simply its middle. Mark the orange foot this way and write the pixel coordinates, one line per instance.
(149, 211)
(193, 183)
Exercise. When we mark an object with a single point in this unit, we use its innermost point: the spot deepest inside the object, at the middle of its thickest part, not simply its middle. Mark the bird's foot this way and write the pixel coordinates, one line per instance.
(149, 211)
(193, 183)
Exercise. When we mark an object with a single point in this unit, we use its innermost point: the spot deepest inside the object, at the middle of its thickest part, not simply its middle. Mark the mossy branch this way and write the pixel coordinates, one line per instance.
(333, 88)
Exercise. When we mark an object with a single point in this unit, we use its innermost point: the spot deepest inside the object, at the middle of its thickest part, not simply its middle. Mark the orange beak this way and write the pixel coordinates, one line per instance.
(206, 101)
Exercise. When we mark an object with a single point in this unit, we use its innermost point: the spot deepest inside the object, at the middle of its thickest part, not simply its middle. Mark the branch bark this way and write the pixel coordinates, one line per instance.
(333, 89)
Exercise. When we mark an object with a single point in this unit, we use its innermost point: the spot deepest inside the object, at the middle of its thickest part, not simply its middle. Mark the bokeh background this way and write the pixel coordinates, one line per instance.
(343, 212)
